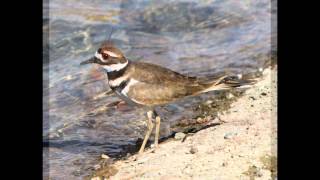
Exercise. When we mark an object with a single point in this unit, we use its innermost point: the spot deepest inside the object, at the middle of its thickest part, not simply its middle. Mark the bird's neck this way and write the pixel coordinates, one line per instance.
(117, 70)
(115, 67)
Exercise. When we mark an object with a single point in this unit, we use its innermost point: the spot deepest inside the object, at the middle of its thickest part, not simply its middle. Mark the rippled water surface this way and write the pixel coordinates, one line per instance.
(198, 38)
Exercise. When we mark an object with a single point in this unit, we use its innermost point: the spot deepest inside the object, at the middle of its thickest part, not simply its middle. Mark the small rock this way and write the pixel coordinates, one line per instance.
(59, 131)
(179, 136)
(199, 119)
(54, 135)
(252, 98)
(193, 150)
(229, 135)
(203, 120)
(239, 76)
(224, 164)
(253, 171)
(208, 102)
(263, 94)
(230, 96)
(103, 156)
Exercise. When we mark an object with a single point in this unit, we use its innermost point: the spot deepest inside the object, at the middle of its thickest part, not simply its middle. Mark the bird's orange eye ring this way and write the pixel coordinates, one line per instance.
(105, 56)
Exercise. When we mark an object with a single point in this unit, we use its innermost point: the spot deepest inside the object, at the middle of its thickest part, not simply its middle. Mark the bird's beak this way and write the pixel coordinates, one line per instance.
(89, 61)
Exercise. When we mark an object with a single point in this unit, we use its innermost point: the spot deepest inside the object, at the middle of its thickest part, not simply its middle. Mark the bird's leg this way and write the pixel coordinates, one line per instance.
(157, 131)
(149, 130)
(156, 139)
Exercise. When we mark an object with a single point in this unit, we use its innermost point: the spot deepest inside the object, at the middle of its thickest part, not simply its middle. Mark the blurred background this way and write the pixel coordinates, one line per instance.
(194, 37)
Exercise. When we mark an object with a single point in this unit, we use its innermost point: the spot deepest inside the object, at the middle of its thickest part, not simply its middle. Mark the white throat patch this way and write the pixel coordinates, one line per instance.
(115, 67)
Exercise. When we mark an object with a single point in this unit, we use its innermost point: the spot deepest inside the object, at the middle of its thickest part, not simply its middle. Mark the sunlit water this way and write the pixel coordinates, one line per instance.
(198, 38)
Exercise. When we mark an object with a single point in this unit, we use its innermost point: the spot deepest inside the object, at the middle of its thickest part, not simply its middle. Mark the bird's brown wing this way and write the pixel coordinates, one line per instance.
(154, 74)
(159, 85)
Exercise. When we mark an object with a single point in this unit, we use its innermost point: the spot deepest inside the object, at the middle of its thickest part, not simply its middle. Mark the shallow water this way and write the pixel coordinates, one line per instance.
(198, 38)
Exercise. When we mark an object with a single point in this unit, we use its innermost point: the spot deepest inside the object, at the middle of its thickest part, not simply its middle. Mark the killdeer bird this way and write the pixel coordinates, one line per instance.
(146, 84)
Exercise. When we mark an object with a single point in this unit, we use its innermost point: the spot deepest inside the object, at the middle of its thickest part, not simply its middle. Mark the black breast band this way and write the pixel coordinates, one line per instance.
(116, 74)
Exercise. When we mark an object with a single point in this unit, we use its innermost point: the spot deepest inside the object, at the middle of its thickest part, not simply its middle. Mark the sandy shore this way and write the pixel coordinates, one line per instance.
(243, 147)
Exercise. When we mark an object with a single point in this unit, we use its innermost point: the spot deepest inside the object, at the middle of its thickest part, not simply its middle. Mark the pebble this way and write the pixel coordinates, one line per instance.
(59, 131)
(103, 156)
(193, 150)
(229, 135)
(203, 120)
(208, 102)
(199, 120)
(224, 164)
(263, 94)
(179, 136)
(230, 96)
(54, 135)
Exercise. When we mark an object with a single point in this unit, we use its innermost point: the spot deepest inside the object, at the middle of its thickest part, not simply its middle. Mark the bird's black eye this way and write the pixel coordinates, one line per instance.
(105, 56)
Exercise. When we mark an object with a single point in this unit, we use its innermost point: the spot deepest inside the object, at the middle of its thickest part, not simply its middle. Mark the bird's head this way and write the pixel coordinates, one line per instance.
(108, 57)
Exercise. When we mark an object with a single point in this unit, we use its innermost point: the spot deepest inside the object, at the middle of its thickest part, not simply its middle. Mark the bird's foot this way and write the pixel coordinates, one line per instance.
(139, 155)
(154, 148)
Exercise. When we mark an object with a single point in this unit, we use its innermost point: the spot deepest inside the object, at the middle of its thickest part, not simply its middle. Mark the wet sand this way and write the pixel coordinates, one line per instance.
(242, 147)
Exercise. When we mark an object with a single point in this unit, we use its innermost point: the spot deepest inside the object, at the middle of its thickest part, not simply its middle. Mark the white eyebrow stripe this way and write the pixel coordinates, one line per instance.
(111, 54)
(99, 56)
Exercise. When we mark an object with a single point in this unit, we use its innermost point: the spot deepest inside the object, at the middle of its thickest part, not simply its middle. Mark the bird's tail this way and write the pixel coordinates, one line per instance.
(227, 82)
